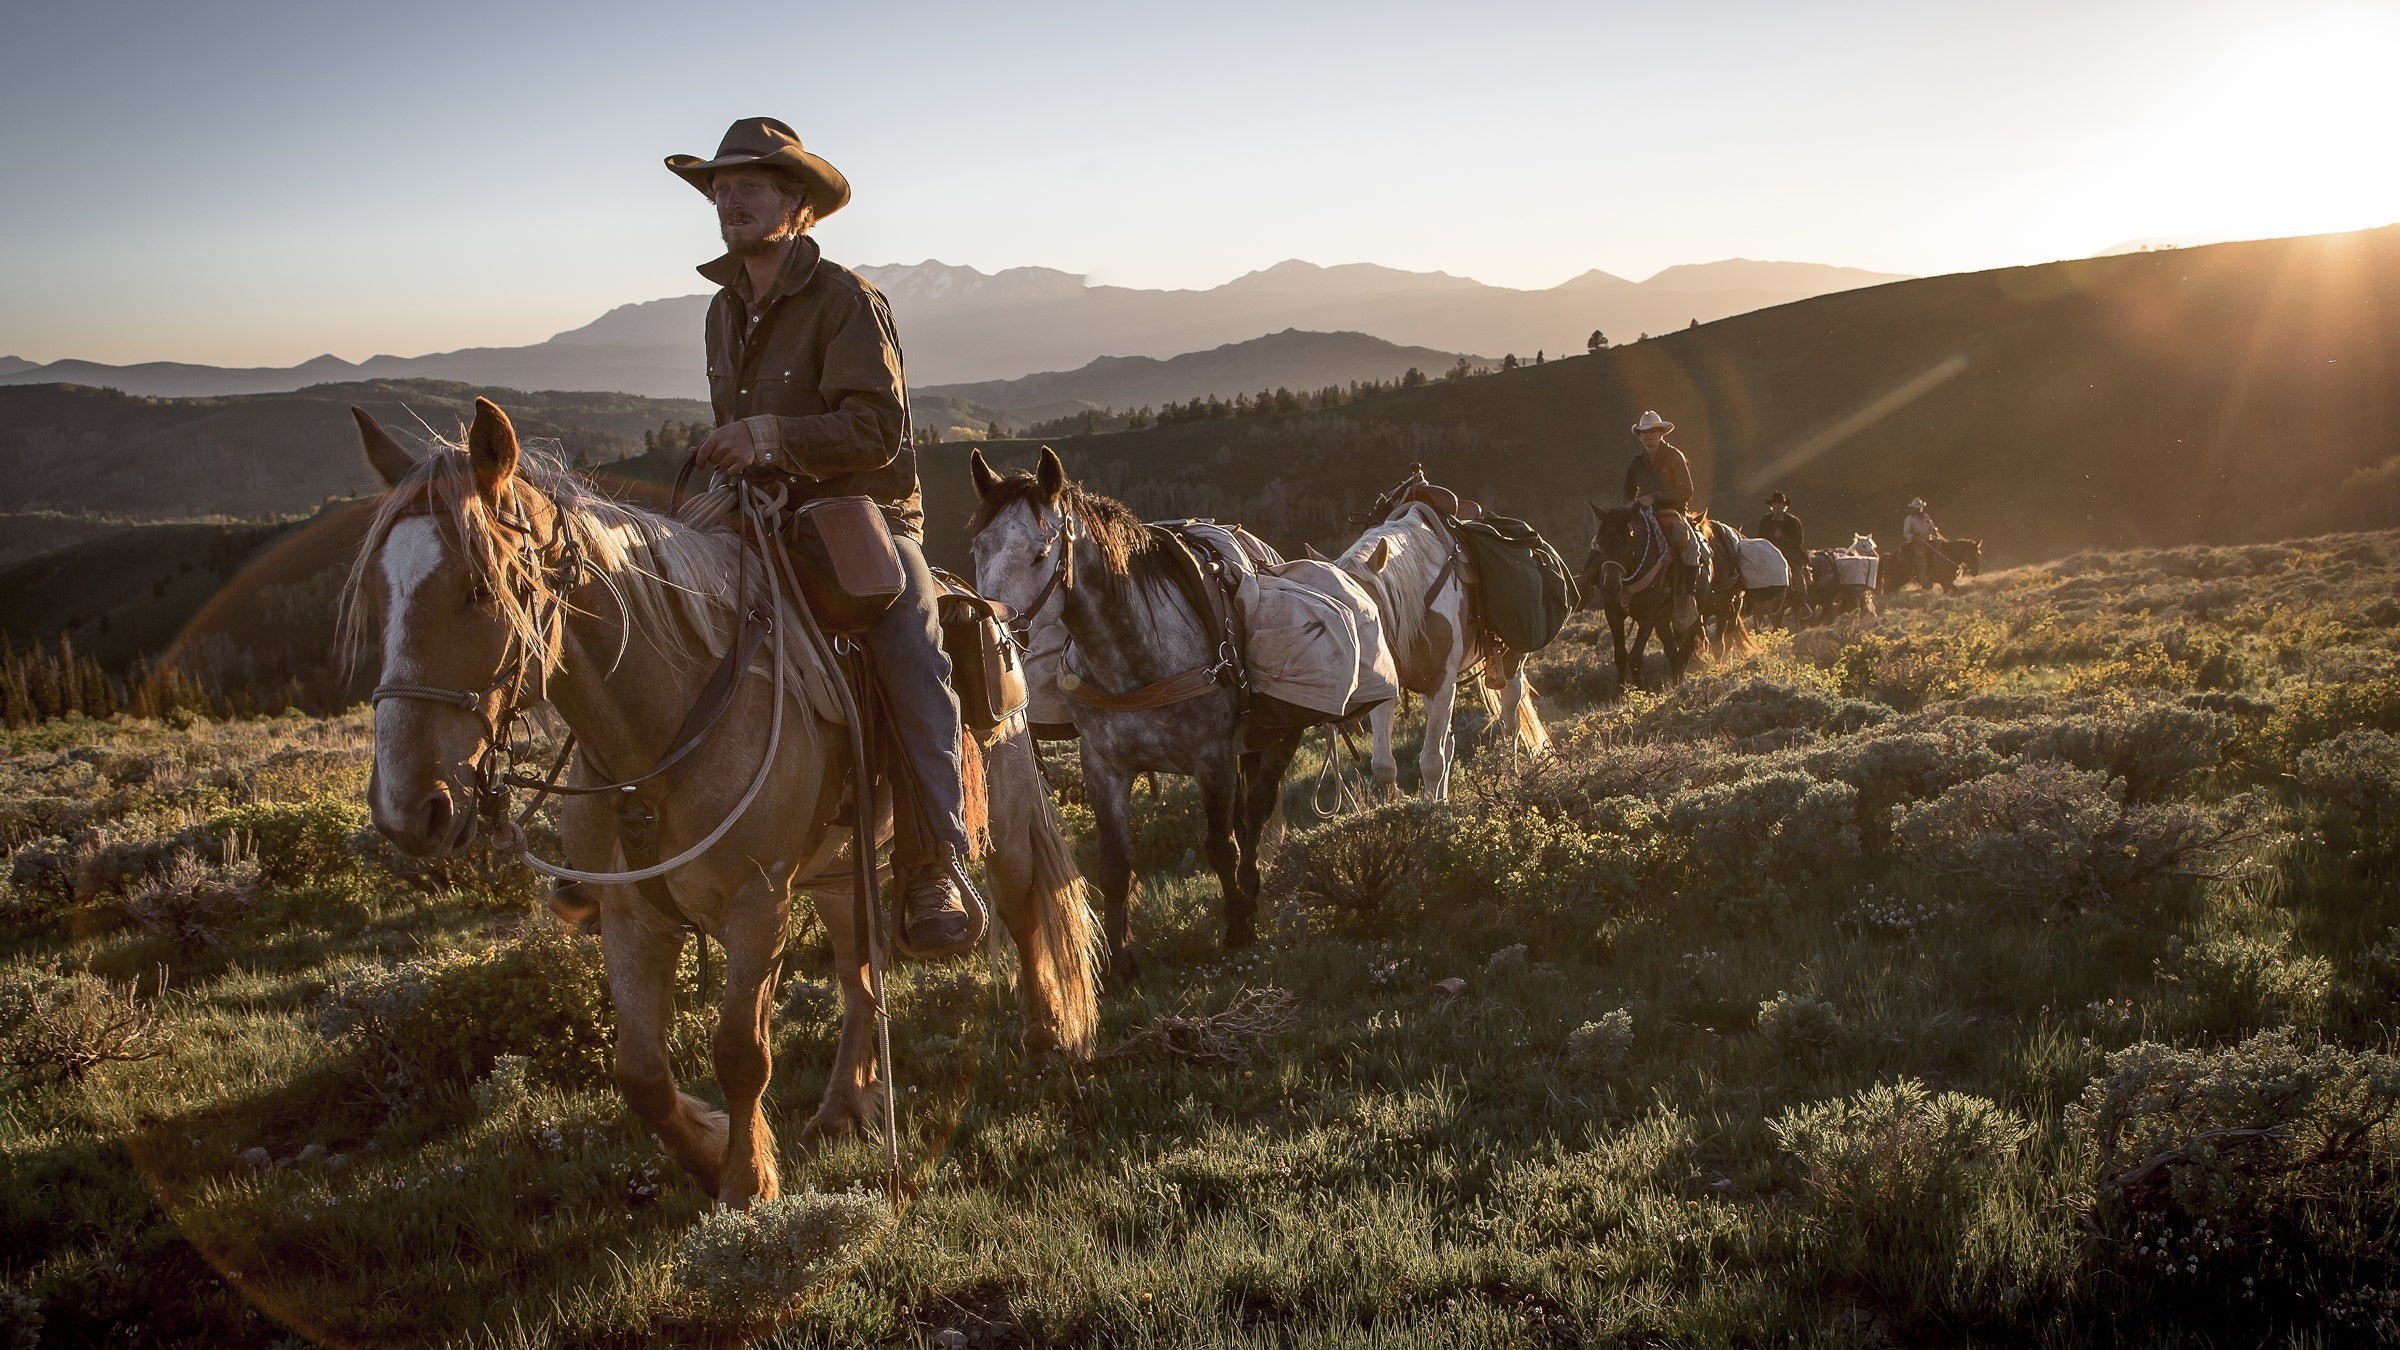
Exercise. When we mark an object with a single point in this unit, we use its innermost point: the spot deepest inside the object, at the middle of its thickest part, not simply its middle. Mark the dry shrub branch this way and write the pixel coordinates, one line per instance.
(1226, 1037)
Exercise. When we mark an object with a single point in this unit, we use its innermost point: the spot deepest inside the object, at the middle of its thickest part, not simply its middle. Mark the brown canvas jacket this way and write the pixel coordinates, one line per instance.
(1670, 486)
(813, 367)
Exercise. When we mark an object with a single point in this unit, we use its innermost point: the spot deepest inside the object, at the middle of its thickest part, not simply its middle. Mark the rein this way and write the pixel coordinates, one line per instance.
(492, 782)
(1651, 561)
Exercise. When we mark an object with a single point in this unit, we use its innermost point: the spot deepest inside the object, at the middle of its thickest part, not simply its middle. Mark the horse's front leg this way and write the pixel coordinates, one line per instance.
(1387, 766)
(1110, 791)
(850, 1106)
(640, 948)
(1221, 806)
(1433, 757)
(1629, 662)
(1616, 637)
(1262, 786)
(753, 939)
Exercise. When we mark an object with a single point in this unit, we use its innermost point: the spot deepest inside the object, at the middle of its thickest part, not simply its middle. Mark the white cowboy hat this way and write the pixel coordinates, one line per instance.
(1652, 422)
(1916, 503)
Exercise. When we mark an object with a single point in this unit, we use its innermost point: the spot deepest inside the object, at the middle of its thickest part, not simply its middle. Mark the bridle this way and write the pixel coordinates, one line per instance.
(1190, 684)
(1648, 562)
(1061, 538)
(556, 565)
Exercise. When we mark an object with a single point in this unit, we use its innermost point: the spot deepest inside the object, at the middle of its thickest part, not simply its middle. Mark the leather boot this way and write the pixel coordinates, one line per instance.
(935, 912)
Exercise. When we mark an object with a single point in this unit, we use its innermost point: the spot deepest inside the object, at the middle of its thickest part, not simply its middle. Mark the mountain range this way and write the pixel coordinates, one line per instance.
(961, 325)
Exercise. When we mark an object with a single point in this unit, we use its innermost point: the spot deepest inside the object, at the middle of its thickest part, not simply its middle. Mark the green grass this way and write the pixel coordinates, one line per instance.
(1897, 1153)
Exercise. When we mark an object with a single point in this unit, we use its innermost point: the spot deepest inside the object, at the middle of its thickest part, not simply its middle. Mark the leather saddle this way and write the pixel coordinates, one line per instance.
(1417, 488)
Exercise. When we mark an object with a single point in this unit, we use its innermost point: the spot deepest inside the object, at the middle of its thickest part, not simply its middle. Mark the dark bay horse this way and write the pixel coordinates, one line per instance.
(1145, 668)
(1945, 560)
(1627, 571)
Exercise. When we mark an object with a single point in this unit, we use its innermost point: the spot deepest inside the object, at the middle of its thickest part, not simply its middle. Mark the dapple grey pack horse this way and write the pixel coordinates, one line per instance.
(1412, 566)
(1151, 677)
(501, 581)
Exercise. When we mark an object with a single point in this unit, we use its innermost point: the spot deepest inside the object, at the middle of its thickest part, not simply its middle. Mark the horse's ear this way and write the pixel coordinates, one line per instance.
(981, 472)
(1597, 513)
(1309, 551)
(391, 459)
(1382, 556)
(1051, 476)
(491, 448)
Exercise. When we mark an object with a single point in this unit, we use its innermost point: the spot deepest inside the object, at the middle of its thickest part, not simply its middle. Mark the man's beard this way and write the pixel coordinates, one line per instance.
(750, 246)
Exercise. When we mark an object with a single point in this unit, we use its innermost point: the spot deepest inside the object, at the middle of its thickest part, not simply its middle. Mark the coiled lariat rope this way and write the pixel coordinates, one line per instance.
(753, 510)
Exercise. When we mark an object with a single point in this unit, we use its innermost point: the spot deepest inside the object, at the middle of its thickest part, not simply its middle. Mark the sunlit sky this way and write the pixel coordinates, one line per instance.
(258, 183)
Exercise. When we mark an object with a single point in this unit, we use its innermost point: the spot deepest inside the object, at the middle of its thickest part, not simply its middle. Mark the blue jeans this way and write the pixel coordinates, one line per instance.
(922, 711)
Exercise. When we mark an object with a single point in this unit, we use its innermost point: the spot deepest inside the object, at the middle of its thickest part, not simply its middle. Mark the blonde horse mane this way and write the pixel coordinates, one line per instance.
(671, 578)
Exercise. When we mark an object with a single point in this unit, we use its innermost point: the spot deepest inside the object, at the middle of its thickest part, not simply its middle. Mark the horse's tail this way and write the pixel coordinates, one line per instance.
(1514, 707)
(1068, 962)
(975, 796)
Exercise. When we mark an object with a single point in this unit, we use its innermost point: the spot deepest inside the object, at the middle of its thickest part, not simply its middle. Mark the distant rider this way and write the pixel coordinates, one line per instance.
(1780, 527)
(1659, 480)
(804, 373)
(1917, 534)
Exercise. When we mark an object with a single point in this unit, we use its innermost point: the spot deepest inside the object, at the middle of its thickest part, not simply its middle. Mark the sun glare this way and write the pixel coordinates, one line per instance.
(2277, 126)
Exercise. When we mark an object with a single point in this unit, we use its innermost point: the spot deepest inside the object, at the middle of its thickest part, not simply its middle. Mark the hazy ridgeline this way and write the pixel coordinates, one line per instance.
(2018, 966)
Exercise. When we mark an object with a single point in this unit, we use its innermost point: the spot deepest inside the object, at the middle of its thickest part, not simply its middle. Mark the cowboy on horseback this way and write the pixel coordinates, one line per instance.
(1917, 536)
(805, 378)
(1781, 527)
(1659, 481)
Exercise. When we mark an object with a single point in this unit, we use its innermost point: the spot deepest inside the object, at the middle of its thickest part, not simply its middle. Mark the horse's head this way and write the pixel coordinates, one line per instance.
(1617, 540)
(1968, 554)
(1616, 537)
(454, 564)
(1023, 534)
(1863, 543)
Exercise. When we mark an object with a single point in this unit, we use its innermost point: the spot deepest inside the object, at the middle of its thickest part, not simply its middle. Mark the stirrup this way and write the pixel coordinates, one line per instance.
(979, 918)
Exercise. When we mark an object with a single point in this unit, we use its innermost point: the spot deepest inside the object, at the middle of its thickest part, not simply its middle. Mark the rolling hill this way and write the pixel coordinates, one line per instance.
(2233, 392)
(962, 325)
(69, 448)
(1290, 358)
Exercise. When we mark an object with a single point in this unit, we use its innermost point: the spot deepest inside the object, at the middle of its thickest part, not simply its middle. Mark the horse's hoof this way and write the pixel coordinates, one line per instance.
(1122, 971)
(837, 1123)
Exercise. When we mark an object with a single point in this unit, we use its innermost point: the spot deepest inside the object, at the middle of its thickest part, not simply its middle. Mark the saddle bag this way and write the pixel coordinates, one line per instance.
(1524, 589)
(843, 554)
(986, 669)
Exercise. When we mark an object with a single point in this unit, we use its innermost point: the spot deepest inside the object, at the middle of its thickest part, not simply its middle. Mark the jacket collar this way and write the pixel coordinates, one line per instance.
(798, 267)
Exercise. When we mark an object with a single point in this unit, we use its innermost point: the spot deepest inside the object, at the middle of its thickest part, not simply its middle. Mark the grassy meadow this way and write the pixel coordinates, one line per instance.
(2014, 967)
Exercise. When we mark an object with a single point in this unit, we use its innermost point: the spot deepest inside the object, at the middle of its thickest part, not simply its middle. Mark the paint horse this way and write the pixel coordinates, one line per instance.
(1414, 567)
(1152, 675)
(502, 580)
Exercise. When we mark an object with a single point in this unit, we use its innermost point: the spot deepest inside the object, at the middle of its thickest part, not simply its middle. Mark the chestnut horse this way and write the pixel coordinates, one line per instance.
(501, 580)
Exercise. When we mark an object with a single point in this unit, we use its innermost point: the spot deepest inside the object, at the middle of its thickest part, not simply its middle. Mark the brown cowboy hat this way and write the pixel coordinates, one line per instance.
(764, 143)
